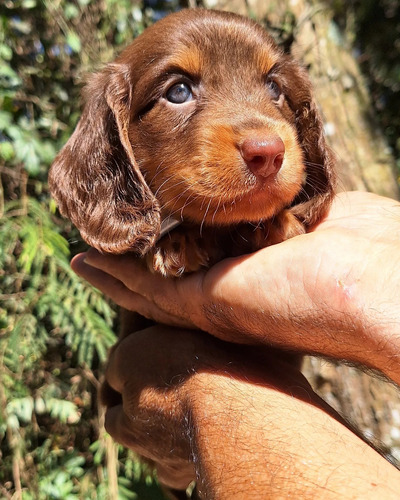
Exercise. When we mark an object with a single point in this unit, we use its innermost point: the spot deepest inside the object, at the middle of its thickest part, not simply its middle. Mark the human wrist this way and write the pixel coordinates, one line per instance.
(218, 421)
(382, 351)
(376, 313)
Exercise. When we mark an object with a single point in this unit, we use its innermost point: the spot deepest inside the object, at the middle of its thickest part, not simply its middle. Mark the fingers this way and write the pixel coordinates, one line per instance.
(156, 355)
(109, 273)
(130, 285)
(174, 467)
(119, 427)
(124, 268)
(95, 276)
(106, 283)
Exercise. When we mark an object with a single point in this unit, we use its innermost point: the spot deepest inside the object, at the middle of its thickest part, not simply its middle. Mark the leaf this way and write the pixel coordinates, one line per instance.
(52, 205)
(29, 4)
(5, 52)
(6, 151)
(26, 153)
(71, 11)
(24, 27)
(46, 151)
(40, 405)
(65, 411)
(73, 41)
(22, 408)
(8, 76)
(30, 239)
(13, 422)
(5, 119)
(22, 342)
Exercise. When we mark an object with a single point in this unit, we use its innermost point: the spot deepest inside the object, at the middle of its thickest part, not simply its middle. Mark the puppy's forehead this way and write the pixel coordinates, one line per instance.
(220, 41)
(195, 41)
(222, 50)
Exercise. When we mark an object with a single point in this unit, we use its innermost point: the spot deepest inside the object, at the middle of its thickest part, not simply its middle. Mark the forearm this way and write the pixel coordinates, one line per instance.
(383, 347)
(279, 441)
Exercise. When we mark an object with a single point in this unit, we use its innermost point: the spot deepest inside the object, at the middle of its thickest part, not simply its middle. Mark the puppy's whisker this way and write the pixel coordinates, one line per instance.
(188, 202)
(180, 195)
(174, 211)
(156, 194)
(158, 172)
(164, 193)
(204, 217)
(202, 204)
(318, 184)
(216, 210)
(303, 192)
(308, 163)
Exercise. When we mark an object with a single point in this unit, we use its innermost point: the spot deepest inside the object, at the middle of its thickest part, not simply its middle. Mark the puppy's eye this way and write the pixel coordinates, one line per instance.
(179, 93)
(273, 89)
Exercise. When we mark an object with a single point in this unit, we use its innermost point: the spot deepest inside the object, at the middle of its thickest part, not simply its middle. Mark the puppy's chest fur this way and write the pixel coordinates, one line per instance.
(189, 248)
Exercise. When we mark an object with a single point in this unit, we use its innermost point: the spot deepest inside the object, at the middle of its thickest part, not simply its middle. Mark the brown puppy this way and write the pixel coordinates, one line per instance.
(203, 118)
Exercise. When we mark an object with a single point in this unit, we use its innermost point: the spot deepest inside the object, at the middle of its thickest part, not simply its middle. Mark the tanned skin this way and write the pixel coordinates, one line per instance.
(226, 410)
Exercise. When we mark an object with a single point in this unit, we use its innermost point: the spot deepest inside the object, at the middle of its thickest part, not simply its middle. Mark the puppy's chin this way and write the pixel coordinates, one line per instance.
(259, 202)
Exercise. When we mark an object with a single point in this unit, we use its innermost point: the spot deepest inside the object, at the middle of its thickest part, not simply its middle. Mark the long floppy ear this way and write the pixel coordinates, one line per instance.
(95, 178)
(311, 204)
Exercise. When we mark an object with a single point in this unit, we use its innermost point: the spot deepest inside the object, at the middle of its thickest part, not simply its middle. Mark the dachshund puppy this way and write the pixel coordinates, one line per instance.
(204, 119)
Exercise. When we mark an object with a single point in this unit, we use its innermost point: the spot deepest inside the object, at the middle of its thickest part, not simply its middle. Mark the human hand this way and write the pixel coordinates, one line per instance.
(151, 370)
(332, 291)
(166, 378)
(238, 419)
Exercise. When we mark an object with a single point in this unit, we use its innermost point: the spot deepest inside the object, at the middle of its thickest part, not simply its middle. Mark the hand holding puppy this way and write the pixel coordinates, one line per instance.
(332, 291)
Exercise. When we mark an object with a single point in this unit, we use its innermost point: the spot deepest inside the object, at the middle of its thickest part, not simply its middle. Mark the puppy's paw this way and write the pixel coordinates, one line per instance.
(177, 253)
(285, 226)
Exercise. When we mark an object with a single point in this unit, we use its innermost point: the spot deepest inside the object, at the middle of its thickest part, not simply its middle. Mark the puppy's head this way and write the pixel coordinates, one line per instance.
(202, 116)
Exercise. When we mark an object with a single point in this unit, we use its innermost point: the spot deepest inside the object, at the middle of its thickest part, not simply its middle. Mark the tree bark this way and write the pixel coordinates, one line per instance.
(364, 163)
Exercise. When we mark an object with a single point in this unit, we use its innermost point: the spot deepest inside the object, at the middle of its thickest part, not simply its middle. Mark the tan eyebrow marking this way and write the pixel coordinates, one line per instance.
(188, 60)
(266, 60)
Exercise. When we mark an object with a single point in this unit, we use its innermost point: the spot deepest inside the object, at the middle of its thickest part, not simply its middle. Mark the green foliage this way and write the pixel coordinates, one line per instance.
(55, 330)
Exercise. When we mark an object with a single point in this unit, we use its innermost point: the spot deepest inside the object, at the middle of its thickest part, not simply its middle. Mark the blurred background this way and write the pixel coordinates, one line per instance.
(54, 329)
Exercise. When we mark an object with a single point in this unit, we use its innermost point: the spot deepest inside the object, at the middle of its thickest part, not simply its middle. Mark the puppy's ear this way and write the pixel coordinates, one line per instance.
(311, 204)
(95, 178)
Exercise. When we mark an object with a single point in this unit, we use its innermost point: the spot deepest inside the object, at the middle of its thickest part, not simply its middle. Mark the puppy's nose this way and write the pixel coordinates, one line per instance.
(263, 155)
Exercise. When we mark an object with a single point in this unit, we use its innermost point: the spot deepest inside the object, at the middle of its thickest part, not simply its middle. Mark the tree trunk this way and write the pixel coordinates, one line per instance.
(364, 163)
